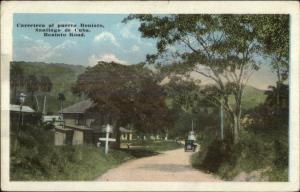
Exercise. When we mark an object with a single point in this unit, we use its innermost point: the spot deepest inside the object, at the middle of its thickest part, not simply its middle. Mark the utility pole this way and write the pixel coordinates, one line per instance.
(222, 122)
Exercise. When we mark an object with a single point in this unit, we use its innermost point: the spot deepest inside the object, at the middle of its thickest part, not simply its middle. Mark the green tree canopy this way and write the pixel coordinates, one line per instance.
(125, 95)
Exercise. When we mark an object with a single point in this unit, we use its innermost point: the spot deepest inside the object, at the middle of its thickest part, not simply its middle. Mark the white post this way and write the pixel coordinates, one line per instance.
(106, 141)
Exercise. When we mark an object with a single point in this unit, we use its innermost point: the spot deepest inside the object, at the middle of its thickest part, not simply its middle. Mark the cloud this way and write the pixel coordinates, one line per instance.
(135, 48)
(40, 50)
(109, 57)
(106, 36)
(130, 31)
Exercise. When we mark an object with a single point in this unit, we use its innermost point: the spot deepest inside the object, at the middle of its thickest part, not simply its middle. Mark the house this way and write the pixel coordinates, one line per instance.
(77, 124)
(78, 115)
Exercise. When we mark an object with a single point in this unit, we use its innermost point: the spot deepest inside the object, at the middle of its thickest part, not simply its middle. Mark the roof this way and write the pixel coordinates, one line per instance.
(25, 108)
(80, 107)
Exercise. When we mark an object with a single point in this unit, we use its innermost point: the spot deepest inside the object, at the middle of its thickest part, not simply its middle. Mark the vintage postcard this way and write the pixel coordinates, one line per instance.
(150, 96)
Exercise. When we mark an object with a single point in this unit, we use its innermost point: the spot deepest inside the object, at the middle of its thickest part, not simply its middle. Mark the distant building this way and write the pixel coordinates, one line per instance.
(25, 115)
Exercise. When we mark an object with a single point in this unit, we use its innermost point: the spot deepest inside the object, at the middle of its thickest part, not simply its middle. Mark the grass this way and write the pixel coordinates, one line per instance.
(82, 162)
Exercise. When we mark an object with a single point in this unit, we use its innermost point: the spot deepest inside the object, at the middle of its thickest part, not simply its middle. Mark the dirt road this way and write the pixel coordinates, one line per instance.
(172, 165)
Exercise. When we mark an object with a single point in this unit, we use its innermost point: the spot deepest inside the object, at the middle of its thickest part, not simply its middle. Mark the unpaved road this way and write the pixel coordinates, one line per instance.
(172, 165)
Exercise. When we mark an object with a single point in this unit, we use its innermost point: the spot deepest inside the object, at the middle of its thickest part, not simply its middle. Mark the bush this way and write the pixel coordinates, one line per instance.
(253, 152)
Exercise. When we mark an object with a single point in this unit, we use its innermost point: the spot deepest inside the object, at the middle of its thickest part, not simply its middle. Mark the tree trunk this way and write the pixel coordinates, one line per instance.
(118, 135)
(236, 128)
(37, 103)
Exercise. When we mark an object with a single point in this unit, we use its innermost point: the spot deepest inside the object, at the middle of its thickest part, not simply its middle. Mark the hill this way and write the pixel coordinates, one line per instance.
(62, 77)
(252, 97)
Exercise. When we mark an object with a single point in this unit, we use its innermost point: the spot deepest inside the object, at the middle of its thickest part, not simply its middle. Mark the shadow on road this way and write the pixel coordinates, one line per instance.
(167, 167)
(139, 152)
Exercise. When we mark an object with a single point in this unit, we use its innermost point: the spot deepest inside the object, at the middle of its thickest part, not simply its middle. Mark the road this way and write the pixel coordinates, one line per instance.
(172, 165)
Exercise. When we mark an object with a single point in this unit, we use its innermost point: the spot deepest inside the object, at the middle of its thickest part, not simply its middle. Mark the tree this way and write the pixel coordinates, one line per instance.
(221, 48)
(184, 93)
(273, 33)
(124, 95)
(16, 79)
(32, 85)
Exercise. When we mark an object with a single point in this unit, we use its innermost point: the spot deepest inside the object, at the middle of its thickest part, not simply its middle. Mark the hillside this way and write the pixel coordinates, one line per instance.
(252, 97)
(62, 77)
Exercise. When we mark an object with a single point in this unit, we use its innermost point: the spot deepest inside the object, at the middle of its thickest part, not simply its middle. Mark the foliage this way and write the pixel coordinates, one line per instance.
(125, 95)
(273, 32)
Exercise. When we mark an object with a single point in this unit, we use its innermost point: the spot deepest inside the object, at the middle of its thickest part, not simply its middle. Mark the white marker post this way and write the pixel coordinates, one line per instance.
(107, 139)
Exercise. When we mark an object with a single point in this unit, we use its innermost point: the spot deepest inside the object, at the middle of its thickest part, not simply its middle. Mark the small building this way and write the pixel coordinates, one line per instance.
(126, 134)
(22, 114)
(78, 114)
(78, 120)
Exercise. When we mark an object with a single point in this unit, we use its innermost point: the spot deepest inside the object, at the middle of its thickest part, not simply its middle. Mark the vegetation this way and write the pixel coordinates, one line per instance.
(264, 144)
(125, 95)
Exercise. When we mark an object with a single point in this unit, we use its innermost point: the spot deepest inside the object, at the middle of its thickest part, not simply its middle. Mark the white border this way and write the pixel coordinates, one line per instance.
(244, 7)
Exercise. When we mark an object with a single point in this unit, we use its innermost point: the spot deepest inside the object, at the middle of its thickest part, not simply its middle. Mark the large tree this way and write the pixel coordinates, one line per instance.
(125, 95)
(220, 48)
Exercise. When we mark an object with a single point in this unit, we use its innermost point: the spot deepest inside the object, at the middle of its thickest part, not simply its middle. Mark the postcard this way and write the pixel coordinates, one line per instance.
(150, 96)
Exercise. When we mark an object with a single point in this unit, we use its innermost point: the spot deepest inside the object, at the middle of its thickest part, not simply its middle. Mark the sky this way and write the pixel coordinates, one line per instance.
(116, 41)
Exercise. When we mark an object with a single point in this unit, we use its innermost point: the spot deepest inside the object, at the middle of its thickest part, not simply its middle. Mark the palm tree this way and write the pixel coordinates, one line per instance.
(61, 98)
(32, 85)
(45, 86)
